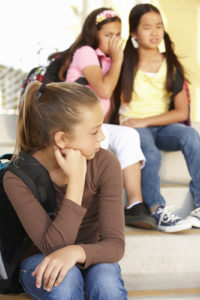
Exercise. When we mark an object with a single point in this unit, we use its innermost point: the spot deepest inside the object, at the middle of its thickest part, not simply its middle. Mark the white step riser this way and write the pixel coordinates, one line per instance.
(163, 253)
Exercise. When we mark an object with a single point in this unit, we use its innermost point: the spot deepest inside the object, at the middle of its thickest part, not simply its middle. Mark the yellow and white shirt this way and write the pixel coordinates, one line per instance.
(149, 97)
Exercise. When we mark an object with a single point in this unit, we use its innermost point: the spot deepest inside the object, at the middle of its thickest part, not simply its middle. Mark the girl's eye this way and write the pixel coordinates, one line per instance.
(95, 132)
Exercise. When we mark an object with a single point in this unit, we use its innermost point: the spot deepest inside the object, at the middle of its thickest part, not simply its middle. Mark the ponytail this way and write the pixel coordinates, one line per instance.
(172, 63)
(26, 121)
(128, 70)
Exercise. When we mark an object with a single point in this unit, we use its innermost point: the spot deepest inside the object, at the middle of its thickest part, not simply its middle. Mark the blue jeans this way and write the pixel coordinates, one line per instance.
(172, 137)
(98, 282)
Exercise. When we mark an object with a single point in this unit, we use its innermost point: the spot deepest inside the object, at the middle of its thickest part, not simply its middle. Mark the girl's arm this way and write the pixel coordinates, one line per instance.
(102, 84)
(110, 245)
(47, 234)
(73, 165)
(178, 114)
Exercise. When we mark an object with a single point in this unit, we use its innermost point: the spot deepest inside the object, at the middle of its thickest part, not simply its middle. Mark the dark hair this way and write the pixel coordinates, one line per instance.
(87, 37)
(57, 107)
(131, 58)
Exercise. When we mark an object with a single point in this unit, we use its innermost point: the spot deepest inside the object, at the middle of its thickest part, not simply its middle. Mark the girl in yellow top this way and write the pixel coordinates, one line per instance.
(154, 102)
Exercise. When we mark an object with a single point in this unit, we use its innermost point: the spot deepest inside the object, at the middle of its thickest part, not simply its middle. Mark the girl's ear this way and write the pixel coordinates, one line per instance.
(134, 35)
(61, 139)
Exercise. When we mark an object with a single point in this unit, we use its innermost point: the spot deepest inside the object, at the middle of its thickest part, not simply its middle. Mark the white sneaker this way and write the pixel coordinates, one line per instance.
(194, 217)
(167, 221)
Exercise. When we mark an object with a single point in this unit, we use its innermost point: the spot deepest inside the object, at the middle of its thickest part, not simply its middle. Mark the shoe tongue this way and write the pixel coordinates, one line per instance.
(159, 209)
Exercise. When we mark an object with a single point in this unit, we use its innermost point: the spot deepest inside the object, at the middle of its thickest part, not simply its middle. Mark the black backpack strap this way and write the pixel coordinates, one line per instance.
(177, 87)
(51, 74)
(82, 79)
(37, 178)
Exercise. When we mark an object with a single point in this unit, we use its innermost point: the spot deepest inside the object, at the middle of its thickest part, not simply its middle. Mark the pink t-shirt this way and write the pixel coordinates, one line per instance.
(87, 56)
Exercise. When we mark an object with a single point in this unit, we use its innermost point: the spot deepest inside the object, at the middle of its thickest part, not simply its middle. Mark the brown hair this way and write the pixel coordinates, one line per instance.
(87, 37)
(58, 107)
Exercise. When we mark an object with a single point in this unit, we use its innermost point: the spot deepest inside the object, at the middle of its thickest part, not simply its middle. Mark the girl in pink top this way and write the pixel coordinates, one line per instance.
(95, 59)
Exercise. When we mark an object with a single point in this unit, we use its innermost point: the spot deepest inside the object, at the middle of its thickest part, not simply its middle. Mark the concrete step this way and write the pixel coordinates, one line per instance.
(154, 252)
(15, 297)
(163, 286)
(158, 265)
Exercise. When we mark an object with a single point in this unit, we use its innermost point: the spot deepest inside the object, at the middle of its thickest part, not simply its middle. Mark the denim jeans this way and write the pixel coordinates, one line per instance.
(98, 282)
(172, 137)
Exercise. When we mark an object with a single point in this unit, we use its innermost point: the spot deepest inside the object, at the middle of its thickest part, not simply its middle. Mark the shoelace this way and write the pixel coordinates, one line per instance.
(166, 214)
(196, 212)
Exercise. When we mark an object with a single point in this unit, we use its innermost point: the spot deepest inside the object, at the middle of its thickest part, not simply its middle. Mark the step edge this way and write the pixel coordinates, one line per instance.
(164, 292)
(132, 232)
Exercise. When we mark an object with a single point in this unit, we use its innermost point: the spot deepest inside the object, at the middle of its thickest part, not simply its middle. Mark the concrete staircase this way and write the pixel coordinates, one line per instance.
(155, 265)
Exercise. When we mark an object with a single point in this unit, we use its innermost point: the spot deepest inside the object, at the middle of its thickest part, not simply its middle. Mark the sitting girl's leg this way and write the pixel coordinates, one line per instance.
(150, 173)
(125, 143)
(72, 286)
(176, 137)
(132, 174)
(185, 138)
(104, 282)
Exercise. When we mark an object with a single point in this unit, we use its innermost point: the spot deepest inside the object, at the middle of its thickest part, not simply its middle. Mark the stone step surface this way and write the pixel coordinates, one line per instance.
(158, 265)
(154, 252)
(163, 286)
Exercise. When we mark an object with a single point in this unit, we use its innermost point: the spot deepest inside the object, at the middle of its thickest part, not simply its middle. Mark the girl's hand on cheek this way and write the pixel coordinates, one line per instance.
(116, 49)
(71, 161)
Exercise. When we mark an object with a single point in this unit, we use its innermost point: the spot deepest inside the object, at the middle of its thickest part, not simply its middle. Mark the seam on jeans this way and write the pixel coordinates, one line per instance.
(25, 289)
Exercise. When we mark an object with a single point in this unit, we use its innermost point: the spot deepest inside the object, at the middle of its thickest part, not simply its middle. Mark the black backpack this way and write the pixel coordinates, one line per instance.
(14, 242)
(47, 74)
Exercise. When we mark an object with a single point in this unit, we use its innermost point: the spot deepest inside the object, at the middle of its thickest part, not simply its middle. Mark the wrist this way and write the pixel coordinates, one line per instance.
(81, 256)
(74, 190)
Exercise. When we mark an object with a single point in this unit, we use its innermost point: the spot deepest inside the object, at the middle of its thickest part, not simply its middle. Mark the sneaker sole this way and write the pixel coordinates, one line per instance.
(137, 222)
(194, 221)
(176, 228)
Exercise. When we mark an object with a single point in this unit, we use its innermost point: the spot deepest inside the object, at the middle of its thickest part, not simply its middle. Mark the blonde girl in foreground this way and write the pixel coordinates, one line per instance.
(75, 254)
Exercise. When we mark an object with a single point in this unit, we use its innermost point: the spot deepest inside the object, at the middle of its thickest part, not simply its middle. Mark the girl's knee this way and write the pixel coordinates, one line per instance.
(72, 286)
(153, 157)
(31, 262)
(108, 282)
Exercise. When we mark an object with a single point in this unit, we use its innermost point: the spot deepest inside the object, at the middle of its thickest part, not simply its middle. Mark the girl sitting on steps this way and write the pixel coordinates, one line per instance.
(154, 102)
(75, 254)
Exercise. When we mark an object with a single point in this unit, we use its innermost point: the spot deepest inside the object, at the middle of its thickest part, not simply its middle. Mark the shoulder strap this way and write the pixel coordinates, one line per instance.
(178, 85)
(7, 156)
(82, 79)
(36, 177)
